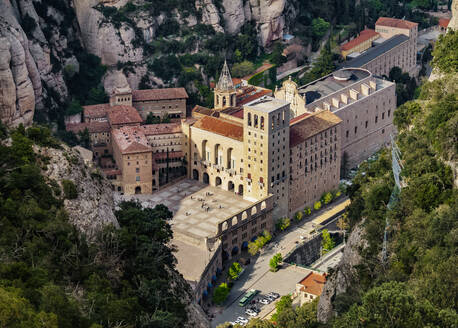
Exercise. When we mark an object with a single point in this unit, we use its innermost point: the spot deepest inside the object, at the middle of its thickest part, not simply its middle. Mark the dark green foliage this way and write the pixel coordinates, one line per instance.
(220, 293)
(70, 190)
(417, 287)
(127, 275)
(444, 59)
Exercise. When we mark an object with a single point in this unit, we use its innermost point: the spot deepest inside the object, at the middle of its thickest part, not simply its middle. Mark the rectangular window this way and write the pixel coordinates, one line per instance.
(137, 170)
(356, 129)
(347, 133)
(367, 124)
(376, 119)
(137, 178)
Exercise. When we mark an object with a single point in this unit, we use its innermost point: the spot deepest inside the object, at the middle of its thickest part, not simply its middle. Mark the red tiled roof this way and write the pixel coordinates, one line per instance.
(313, 283)
(163, 128)
(130, 139)
(309, 126)
(112, 171)
(221, 126)
(159, 94)
(92, 127)
(123, 114)
(204, 111)
(395, 22)
(298, 118)
(363, 36)
(443, 22)
(245, 99)
(238, 113)
(96, 111)
(172, 154)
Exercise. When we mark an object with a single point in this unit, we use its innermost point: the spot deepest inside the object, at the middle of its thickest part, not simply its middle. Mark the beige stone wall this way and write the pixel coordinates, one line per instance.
(314, 168)
(175, 108)
(289, 92)
(224, 99)
(404, 56)
(367, 124)
(216, 156)
(266, 149)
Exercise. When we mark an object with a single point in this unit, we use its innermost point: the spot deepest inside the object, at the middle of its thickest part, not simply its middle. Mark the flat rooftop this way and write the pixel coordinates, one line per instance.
(266, 104)
(376, 51)
(331, 83)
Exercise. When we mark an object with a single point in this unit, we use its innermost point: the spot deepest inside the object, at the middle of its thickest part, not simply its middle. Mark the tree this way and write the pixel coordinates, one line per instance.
(307, 211)
(235, 270)
(319, 27)
(70, 190)
(317, 205)
(242, 69)
(327, 243)
(326, 198)
(298, 216)
(445, 53)
(277, 57)
(73, 108)
(282, 305)
(275, 261)
(220, 293)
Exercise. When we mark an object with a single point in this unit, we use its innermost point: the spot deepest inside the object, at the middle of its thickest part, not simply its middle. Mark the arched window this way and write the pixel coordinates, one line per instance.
(255, 121)
(262, 122)
(249, 119)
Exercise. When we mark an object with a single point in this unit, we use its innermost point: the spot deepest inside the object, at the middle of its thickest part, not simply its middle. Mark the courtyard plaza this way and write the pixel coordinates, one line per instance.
(197, 209)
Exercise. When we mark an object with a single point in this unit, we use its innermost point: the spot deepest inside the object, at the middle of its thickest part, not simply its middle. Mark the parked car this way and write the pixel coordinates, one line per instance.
(255, 309)
(264, 301)
(274, 295)
(251, 313)
(242, 319)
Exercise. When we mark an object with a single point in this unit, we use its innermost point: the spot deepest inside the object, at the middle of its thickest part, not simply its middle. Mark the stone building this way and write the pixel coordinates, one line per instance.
(310, 287)
(314, 157)
(359, 44)
(133, 157)
(363, 102)
(225, 94)
(396, 46)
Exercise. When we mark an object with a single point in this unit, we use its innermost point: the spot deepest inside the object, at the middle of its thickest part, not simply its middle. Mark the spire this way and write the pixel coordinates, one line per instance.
(225, 80)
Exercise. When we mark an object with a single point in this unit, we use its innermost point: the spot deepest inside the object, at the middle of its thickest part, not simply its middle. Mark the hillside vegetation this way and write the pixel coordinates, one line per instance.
(51, 276)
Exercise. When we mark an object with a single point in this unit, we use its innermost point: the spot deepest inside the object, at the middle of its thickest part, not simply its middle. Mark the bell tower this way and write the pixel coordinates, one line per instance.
(225, 94)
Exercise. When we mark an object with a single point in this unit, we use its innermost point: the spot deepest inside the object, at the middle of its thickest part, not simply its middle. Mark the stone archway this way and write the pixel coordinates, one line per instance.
(138, 190)
(195, 174)
(230, 186)
(218, 181)
(241, 190)
(234, 251)
(206, 178)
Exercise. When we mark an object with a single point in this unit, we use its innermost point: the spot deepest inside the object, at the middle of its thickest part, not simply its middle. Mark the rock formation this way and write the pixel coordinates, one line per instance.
(344, 276)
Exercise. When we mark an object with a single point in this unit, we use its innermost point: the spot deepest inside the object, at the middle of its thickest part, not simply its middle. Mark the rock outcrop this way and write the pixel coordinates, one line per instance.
(94, 207)
(344, 276)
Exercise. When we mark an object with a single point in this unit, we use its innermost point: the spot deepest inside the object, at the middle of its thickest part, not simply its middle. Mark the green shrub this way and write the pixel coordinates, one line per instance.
(220, 293)
(307, 211)
(298, 216)
(235, 270)
(70, 191)
(317, 205)
(326, 198)
(283, 224)
(275, 261)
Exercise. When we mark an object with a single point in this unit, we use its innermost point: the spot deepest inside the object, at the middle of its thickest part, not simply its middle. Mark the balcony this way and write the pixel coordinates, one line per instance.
(231, 172)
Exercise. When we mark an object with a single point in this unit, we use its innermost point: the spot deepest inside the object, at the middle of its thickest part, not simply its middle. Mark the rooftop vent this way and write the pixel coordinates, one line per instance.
(342, 75)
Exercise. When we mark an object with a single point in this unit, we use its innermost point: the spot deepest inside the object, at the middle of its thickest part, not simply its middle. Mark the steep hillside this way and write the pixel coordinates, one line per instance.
(67, 258)
(416, 285)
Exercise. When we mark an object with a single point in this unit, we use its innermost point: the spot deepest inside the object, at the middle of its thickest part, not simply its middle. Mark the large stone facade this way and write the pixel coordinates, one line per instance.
(364, 103)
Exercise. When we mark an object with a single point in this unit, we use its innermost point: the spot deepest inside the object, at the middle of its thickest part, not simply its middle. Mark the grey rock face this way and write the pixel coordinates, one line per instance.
(345, 274)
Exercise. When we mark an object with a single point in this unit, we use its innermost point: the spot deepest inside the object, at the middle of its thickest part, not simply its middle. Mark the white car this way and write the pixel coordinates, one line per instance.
(273, 295)
(264, 301)
(251, 313)
(242, 320)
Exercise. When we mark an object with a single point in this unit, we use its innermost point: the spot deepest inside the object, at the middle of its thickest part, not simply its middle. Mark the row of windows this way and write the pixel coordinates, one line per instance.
(347, 133)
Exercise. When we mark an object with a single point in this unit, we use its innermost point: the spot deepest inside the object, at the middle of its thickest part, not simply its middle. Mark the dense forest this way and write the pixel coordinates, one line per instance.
(417, 284)
(51, 276)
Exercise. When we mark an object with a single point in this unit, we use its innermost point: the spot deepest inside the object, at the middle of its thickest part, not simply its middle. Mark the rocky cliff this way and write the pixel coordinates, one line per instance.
(40, 38)
(345, 276)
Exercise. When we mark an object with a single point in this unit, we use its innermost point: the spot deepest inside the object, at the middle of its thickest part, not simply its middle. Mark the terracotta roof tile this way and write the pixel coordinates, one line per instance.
(159, 94)
(221, 126)
(96, 111)
(92, 127)
(122, 114)
(130, 139)
(443, 22)
(311, 125)
(313, 283)
(299, 118)
(163, 128)
(395, 22)
(204, 111)
(363, 36)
